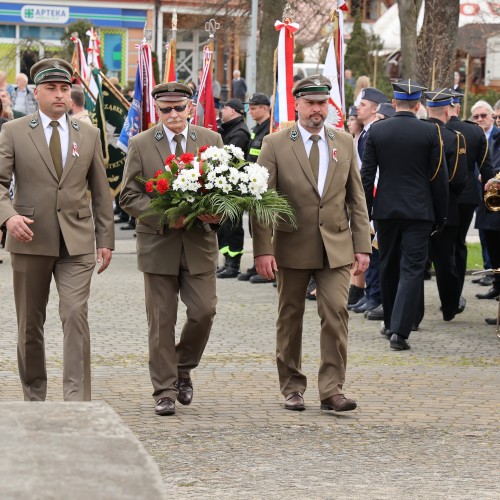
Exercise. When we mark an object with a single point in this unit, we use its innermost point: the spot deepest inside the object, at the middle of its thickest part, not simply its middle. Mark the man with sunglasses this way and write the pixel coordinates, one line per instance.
(174, 261)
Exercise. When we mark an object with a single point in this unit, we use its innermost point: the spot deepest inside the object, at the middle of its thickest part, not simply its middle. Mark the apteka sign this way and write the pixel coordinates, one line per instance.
(45, 14)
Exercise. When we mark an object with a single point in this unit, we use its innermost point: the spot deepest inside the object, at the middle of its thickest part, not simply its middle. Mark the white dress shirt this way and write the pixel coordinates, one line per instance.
(170, 137)
(323, 153)
(63, 133)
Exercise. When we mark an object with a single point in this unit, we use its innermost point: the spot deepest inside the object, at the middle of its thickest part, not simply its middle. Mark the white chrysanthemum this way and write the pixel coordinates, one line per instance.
(209, 185)
(235, 151)
(221, 183)
(233, 175)
(243, 188)
(211, 175)
(222, 167)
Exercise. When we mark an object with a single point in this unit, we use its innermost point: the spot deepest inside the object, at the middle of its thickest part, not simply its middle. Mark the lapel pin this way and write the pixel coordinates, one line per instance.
(33, 123)
(159, 135)
(334, 154)
(294, 135)
(75, 125)
(331, 135)
(74, 150)
(193, 135)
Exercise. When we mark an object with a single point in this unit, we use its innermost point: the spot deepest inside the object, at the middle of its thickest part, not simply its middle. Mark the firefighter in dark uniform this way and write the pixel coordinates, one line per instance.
(439, 102)
(478, 163)
(412, 198)
(260, 111)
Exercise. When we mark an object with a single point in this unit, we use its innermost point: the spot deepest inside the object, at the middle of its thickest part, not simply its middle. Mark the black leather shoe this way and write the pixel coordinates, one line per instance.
(491, 321)
(448, 317)
(385, 331)
(414, 327)
(462, 302)
(359, 303)
(399, 343)
(228, 272)
(490, 294)
(294, 401)
(486, 281)
(165, 406)
(260, 279)
(369, 305)
(246, 276)
(185, 388)
(375, 314)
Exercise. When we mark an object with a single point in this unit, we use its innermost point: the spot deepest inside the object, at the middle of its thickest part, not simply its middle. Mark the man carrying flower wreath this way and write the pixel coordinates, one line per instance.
(174, 261)
(316, 168)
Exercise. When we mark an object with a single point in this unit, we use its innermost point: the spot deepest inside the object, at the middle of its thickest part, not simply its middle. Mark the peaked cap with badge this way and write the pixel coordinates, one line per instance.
(353, 111)
(457, 96)
(438, 98)
(52, 70)
(374, 95)
(386, 109)
(313, 88)
(171, 92)
(259, 98)
(406, 90)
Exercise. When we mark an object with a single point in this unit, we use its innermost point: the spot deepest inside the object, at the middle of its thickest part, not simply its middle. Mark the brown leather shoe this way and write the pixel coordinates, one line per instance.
(165, 406)
(338, 402)
(185, 388)
(294, 401)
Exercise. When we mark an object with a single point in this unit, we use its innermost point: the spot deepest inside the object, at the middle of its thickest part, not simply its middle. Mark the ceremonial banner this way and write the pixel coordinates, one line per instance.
(169, 75)
(335, 116)
(205, 115)
(110, 114)
(142, 114)
(284, 103)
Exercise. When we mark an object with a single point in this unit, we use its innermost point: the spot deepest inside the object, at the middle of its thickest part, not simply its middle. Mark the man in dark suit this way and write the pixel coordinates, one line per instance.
(174, 261)
(478, 163)
(51, 229)
(439, 102)
(316, 168)
(412, 196)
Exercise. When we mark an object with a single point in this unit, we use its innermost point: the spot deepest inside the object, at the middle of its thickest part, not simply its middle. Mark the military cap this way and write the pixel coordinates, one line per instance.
(51, 70)
(457, 96)
(386, 109)
(314, 88)
(259, 98)
(353, 111)
(236, 104)
(406, 90)
(171, 92)
(374, 95)
(439, 97)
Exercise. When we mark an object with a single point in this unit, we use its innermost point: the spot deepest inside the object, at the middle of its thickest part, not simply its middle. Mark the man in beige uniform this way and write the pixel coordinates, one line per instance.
(51, 229)
(316, 168)
(174, 260)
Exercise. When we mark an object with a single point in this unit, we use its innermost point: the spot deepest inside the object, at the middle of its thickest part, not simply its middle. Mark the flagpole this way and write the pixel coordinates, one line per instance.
(115, 91)
(84, 83)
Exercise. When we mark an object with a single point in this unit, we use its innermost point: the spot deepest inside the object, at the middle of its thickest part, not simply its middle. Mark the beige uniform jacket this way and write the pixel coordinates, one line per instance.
(56, 206)
(337, 220)
(158, 247)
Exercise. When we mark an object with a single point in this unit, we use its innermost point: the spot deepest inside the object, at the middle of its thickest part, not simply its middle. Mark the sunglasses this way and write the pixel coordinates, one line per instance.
(178, 109)
(482, 115)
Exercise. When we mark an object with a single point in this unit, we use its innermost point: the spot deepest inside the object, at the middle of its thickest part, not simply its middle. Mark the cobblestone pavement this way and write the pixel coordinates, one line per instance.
(427, 423)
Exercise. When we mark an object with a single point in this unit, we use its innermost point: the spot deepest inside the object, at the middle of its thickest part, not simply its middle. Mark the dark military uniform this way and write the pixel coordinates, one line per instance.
(478, 161)
(443, 243)
(412, 196)
(256, 137)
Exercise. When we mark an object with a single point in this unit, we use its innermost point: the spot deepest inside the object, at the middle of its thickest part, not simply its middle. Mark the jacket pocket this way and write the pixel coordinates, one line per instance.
(26, 211)
(84, 212)
(143, 228)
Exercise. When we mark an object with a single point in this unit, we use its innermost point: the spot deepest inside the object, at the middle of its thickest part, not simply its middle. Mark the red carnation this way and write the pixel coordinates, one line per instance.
(162, 186)
(158, 172)
(203, 148)
(169, 160)
(149, 187)
(187, 157)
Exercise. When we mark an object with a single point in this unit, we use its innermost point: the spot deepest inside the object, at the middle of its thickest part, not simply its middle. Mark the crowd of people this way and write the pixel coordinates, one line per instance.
(373, 204)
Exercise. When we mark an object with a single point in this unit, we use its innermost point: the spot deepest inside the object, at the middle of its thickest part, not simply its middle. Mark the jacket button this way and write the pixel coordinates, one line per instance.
(321, 206)
(60, 188)
(320, 223)
(58, 209)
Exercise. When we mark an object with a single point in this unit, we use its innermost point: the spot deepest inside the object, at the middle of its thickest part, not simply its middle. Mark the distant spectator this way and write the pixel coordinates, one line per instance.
(482, 114)
(361, 83)
(8, 113)
(78, 110)
(456, 82)
(2, 120)
(114, 80)
(349, 79)
(23, 99)
(239, 88)
(3, 83)
(496, 113)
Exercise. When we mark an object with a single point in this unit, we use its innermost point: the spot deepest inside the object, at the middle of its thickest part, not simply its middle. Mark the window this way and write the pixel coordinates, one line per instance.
(41, 32)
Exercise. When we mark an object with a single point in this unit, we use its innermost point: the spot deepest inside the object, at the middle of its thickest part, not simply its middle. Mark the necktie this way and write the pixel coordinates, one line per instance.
(314, 156)
(55, 148)
(178, 148)
(361, 144)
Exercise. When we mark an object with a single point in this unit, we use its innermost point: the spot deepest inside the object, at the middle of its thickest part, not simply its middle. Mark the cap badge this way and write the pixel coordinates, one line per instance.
(159, 135)
(56, 65)
(193, 135)
(170, 87)
(317, 81)
(75, 125)
(294, 135)
(33, 123)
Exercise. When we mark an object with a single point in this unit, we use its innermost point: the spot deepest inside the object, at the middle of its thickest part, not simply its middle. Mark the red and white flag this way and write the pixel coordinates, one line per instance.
(335, 115)
(205, 115)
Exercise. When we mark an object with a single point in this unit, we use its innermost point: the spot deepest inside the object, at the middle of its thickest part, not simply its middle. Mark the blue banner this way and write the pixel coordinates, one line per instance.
(133, 123)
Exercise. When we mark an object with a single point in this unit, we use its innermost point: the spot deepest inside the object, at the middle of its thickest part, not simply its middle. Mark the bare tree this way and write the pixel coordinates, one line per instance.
(408, 14)
(437, 43)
